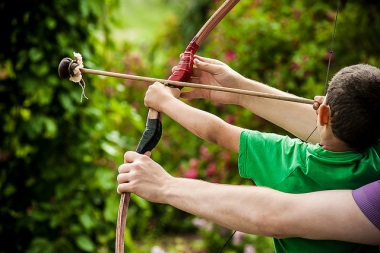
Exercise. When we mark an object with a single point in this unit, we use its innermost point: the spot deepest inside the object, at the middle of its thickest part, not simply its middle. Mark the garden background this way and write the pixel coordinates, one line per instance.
(59, 157)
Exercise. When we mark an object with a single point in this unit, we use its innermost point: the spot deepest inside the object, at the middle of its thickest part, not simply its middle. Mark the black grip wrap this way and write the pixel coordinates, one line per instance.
(151, 136)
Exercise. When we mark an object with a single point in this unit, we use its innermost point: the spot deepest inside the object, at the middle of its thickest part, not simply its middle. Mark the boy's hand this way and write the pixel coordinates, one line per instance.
(318, 101)
(213, 72)
(158, 94)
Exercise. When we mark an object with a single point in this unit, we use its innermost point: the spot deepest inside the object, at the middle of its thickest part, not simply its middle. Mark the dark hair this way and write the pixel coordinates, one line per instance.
(354, 100)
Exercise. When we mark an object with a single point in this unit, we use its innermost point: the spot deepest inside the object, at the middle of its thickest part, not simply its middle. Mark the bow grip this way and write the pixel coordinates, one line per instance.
(153, 128)
(184, 68)
(152, 133)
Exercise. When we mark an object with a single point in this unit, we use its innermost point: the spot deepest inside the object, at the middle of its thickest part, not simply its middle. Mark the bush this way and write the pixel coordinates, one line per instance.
(59, 157)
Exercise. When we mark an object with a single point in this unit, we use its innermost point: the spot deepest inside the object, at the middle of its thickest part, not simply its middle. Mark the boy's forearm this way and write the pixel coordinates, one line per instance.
(296, 118)
(203, 124)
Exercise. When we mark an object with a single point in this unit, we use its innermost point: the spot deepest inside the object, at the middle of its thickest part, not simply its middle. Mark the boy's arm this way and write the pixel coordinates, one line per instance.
(203, 124)
(298, 119)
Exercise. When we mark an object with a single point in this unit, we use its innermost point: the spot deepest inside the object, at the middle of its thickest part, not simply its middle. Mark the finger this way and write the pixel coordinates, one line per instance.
(122, 188)
(123, 178)
(148, 153)
(124, 168)
(208, 60)
(316, 105)
(158, 84)
(131, 156)
(208, 67)
(319, 99)
(175, 91)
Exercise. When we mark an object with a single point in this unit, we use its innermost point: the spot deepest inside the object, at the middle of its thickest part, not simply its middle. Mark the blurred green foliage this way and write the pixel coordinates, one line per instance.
(59, 157)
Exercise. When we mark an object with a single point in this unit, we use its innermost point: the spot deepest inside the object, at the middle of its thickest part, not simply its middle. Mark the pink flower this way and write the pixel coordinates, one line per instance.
(230, 118)
(249, 248)
(191, 173)
(194, 163)
(226, 156)
(294, 66)
(210, 169)
(204, 152)
(202, 224)
(230, 55)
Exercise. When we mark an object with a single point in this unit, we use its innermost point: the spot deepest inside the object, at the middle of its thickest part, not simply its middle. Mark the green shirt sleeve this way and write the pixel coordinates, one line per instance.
(265, 157)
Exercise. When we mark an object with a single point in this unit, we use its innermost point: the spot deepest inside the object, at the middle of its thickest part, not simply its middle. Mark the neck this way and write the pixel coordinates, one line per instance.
(335, 145)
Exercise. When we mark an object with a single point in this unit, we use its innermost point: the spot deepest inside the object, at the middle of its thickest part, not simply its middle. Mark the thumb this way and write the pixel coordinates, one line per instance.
(131, 156)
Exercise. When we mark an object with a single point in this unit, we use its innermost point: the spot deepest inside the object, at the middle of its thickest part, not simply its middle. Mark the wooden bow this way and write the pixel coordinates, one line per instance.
(153, 130)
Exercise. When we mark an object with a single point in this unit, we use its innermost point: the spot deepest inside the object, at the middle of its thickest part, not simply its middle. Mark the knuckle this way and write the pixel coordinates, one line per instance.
(121, 168)
(125, 155)
(118, 178)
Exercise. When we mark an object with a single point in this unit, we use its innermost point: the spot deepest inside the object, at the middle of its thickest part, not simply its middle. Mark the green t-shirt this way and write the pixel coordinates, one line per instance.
(293, 166)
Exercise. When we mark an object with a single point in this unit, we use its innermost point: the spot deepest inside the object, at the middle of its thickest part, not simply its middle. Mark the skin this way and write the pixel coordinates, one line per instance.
(331, 215)
(210, 71)
(213, 129)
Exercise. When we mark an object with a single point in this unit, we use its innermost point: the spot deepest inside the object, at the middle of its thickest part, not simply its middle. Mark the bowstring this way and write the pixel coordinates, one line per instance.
(228, 240)
(331, 52)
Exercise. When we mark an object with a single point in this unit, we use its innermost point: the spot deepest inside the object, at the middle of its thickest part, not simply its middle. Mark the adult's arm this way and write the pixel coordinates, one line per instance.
(298, 119)
(331, 215)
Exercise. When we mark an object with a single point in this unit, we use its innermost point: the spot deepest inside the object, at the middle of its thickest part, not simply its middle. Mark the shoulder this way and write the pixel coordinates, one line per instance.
(254, 134)
(275, 144)
(368, 199)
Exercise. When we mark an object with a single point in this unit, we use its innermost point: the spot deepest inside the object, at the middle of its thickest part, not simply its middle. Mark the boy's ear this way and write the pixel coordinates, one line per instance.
(324, 114)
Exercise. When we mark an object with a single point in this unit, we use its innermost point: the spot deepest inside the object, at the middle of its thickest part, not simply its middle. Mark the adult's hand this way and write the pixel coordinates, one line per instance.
(142, 176)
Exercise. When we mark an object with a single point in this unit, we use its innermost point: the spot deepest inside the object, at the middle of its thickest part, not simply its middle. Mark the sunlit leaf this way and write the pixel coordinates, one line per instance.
(85, 243)
(111, 150)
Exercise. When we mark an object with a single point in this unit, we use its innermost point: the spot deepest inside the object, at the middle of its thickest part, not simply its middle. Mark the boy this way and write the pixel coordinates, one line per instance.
(346, 157)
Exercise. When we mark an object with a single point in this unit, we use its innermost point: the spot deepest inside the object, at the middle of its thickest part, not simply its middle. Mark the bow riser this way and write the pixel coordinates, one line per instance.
(184, 68)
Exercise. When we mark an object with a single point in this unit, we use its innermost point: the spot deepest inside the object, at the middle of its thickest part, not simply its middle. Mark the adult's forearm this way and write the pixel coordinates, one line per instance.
(235, 207)
(329, 215)
(326, 215)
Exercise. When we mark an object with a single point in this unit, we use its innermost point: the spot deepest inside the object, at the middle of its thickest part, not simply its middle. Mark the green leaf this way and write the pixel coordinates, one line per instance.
(50, 128)
(35, 54)
(109, 149)
(86, 220)
(85, 243)
(41, 245)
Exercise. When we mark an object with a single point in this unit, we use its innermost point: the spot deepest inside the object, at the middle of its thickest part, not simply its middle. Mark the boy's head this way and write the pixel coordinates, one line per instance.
(354, 100)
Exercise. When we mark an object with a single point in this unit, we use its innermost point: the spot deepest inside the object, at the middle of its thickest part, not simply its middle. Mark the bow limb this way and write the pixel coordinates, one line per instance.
(184, 68)
(153, 131)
